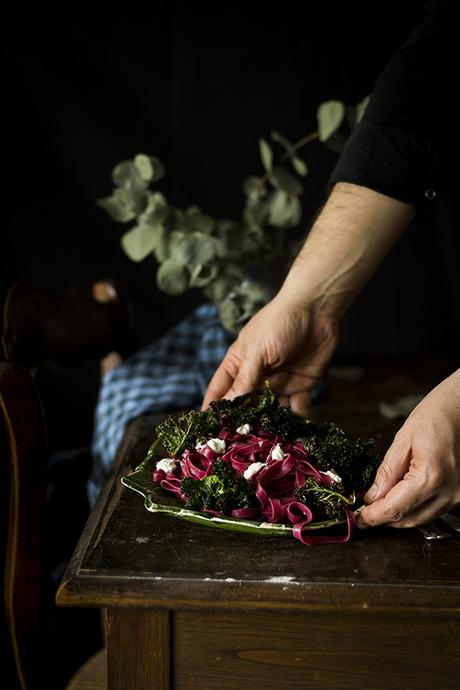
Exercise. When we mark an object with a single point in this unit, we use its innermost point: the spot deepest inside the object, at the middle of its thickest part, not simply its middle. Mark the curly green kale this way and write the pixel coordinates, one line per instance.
(329, 446)
(280, 420)
(354, 460)
(178, 432)
(182, 431)
(233, 413)
(324, 501)
(223, 490)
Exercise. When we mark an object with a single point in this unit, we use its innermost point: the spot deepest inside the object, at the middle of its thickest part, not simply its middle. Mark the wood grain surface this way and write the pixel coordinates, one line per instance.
(247, 611)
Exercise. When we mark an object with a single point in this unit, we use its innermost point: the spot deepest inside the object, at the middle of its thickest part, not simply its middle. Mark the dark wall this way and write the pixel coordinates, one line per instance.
(193, 83)
(196, 84)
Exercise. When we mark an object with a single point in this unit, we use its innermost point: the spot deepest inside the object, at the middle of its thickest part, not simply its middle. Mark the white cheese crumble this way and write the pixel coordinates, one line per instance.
(217, 445)
(335, 477)
(277, 452)
(199, 446)
(166, 464)
(252, 469)
(244, 429)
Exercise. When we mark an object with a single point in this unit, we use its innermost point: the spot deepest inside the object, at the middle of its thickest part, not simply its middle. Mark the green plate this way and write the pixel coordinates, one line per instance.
(157, 500)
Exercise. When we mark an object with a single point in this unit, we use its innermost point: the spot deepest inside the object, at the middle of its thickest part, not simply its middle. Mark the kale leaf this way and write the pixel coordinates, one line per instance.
(178, 432)
(223, 490)
(325, 501)
(182, 431)
(280, 420)
(354, 460)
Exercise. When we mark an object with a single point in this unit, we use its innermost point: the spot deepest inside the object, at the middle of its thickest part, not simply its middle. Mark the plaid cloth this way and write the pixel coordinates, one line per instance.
(171, 373)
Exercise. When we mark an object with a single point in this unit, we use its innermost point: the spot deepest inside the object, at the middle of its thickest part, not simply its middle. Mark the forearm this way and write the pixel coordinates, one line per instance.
(352, 235)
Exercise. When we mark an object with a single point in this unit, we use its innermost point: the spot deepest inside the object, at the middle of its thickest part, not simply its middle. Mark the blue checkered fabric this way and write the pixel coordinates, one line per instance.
(171, 373)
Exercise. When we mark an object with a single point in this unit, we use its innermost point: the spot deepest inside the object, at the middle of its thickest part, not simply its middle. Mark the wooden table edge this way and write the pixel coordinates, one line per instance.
(82, 588)
(97, 518)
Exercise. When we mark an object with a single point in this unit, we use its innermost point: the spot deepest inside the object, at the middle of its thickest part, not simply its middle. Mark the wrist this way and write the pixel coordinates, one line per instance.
(312, 300)
(316, 293)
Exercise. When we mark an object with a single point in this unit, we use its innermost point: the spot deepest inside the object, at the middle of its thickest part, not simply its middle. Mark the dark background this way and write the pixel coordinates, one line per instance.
(85, 87)
(194, 83)
(197, 84)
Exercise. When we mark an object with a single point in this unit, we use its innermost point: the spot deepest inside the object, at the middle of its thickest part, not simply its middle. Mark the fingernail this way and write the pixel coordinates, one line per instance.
(371, 493)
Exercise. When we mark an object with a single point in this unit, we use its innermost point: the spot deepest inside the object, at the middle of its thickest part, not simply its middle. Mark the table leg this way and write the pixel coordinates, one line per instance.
(137, 649)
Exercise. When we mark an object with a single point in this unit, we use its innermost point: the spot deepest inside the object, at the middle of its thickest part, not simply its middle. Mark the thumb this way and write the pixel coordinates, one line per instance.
(394, 466)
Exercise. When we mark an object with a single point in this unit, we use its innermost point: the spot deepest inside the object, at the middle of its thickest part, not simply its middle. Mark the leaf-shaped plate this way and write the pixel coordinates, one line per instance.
(157, 500)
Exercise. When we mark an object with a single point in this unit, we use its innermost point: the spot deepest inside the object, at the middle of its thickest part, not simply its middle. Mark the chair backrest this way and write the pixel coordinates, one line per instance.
(22, 432)
(66, 330)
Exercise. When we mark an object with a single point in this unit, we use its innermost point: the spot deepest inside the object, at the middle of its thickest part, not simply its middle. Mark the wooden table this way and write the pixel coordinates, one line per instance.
(192, 608)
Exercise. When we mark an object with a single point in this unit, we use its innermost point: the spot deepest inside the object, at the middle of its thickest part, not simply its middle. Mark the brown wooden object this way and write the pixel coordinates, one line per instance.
(225, 611)
(23, 428)
(24, 624)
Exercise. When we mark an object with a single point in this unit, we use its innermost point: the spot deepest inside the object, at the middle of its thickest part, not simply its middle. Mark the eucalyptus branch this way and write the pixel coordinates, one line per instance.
(194, 250)
(301, 143)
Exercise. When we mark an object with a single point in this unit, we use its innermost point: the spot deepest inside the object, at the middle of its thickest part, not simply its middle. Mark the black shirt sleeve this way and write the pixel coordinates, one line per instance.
(404, 144)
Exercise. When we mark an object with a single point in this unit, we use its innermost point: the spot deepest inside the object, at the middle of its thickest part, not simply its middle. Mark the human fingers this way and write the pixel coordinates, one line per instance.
(218, 386)
(248, 377)
(408, 496)
(428, 511)
(236, 375)
(300, 403)
(392, 469)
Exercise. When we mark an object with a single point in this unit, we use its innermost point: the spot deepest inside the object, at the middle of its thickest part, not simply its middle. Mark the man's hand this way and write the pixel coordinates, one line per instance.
(419, 477)
(286, 342)
(292, 339)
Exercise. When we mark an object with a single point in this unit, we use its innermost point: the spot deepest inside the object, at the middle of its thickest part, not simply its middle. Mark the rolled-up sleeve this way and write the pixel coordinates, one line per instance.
(405, 143)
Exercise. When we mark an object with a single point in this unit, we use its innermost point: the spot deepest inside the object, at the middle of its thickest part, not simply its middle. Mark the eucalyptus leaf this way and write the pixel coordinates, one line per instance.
(221, 286)
(255, 215)
(202, 275)
(283, 179)
(241, 304)
(119, 206)
(156, 210)
(161, 250)
(122, 173)
(284, 209)
(330, 115)
(299, 166)
(176, 220)
(230, 314)
(266, 154)
(172, 277)
(144, 166)
(150, 168)
(140, 241)
(254, 188)
(126, 175)
(251, 296)
(191, 248)
(219, 247)
(197, 221)
(231, 237)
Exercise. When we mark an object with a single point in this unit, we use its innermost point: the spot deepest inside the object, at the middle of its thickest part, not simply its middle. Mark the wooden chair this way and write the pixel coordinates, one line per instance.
(22, 476)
